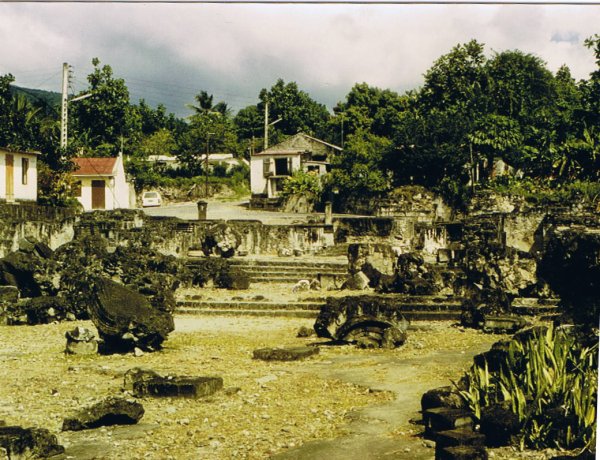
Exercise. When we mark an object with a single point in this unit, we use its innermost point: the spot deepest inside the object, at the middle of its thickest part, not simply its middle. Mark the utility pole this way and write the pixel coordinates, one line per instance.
(266, 139)
(64, 106)
(206, 165)
(64, 115)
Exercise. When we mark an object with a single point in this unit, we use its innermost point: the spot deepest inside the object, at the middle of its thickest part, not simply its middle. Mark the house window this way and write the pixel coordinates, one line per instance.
(283, 166)
(76, 189)
(24, 170)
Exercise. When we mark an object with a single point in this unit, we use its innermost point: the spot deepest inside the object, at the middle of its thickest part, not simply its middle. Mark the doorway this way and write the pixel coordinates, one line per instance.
(98, 194)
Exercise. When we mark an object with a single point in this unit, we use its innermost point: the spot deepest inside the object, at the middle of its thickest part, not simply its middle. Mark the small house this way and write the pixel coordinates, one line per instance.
(100, 183)
(270, 168)
(18, 175)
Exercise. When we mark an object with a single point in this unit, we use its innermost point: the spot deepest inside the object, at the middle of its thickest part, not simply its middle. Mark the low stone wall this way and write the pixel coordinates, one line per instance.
(50, 225)
(173, 236)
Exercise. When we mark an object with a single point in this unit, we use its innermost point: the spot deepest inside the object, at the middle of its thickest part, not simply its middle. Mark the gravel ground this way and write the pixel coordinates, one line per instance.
(265, 408)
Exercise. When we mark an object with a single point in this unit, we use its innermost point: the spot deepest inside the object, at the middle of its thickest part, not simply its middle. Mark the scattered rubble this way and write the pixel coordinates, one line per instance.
(111, 411)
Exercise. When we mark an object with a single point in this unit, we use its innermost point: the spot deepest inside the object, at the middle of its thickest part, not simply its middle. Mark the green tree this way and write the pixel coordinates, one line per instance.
(296, 109)
(105, 120)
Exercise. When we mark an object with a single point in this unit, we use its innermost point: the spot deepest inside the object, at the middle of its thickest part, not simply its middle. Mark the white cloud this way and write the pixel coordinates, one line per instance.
(173, 51)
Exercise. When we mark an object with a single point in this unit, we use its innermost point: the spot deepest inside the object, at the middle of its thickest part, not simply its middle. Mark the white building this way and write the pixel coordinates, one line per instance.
(100, 183)
(271, 167)
(18, 175)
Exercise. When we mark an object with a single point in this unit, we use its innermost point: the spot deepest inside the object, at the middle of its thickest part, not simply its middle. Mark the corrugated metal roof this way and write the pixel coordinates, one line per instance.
(94, 166)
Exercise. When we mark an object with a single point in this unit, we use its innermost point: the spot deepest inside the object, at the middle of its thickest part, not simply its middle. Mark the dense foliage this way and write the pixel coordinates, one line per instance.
(446, 135)
(549, 380)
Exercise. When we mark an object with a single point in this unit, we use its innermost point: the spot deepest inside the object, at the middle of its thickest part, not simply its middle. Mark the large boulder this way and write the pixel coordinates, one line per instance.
(125, 319)
(369, 321)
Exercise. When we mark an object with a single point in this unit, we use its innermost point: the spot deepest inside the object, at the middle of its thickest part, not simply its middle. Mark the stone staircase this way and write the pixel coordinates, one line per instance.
(290, 270)
(543, 309)
(414, 308)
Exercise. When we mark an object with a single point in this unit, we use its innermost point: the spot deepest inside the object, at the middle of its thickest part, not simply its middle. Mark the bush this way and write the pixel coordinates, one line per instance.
(549, 379)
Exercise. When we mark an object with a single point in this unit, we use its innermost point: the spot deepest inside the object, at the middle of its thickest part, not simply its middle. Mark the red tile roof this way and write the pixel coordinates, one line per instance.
(94, 166)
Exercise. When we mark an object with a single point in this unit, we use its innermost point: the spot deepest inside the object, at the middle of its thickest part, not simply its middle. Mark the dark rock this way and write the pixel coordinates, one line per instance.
(126, 320)
(234, 278)
(462, 453)
(362, 319)
(446, 396)
(182, 387)
(285, 354)
(29, 442)
(137, 374)
(43, 250)
(571, 266)
(45, 309)
(356, 282)
(81, 341)
(26, 246)
(111, 411)
(503, 324)
(495, 359)
(305, 332)
(446, 418)
(458, 437)
(19, 269)
(9, 294)
(499, 425)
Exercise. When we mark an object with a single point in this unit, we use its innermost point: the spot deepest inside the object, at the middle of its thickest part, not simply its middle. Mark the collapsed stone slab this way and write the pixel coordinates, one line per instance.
(285, 354)
(19, 442)
(111, 411)
(177, 386)
(125, 319)
(368, 321)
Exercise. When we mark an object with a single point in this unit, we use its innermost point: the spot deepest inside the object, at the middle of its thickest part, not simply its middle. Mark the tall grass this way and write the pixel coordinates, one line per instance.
(550, 382)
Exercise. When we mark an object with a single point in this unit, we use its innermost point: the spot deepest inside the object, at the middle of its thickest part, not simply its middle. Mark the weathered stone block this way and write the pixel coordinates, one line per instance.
(499, 425)
(445, 396)
(502, 324)
(285, 354)
(81, 341)
(446, 418)
(21, 442)
(137, 374)
(182, 387)
(111, 411)
(458, 437)
(462, 453)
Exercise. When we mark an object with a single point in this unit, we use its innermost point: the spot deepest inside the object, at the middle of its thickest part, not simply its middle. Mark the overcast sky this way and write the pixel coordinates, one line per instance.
(168, 52)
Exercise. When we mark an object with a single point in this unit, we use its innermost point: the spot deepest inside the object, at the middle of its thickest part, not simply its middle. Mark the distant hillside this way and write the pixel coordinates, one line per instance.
(48, 98)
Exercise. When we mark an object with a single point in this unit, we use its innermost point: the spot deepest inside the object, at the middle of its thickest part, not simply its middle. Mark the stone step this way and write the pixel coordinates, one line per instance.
(544, 308)
(202, 311)
(250, 305)
(238, 312)
(445, 418)
(251, 269)
(310, 305)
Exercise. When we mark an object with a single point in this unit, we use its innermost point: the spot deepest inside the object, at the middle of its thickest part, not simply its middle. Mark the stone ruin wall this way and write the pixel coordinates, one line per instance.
(53, 226)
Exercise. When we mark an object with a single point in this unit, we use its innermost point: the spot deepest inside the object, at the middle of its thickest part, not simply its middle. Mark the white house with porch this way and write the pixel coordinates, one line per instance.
(18, 175)
(271, 167)
(100, 183)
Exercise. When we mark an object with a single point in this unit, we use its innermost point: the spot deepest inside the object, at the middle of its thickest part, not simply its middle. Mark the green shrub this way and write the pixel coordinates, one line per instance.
(550, 381)
(302, 183)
